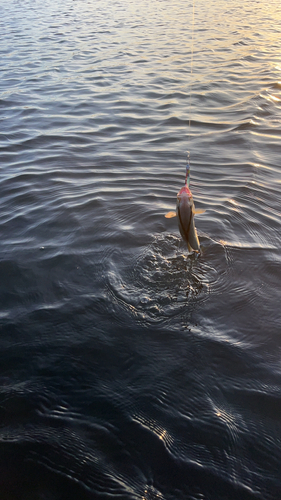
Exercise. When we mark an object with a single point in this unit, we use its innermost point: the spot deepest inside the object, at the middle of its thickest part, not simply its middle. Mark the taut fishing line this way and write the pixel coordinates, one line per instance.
(185, 206)
(190, 92)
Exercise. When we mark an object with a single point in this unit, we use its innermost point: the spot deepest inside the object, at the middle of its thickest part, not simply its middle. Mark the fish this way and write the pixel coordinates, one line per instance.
(185, 211)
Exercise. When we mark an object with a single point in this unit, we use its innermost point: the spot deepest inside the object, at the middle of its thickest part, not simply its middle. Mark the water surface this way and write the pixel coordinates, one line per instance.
(130, 369)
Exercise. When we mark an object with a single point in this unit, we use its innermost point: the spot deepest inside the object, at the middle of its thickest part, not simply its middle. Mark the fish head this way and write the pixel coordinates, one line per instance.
(184, 197)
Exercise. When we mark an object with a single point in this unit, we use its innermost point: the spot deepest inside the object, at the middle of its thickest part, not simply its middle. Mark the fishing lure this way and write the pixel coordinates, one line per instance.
(185, 212)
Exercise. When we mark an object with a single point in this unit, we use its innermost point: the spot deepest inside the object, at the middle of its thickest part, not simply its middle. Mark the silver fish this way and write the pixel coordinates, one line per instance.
(185, 214)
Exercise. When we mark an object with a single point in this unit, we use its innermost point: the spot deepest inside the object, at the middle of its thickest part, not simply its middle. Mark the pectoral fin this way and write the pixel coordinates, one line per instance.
(169, 215)
(197, 210)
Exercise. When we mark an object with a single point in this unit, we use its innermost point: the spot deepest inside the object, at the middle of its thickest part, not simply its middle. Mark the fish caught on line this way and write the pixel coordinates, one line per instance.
(185, 212)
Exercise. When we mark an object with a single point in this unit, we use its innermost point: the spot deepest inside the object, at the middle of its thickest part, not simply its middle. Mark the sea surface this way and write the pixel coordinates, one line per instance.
(130, 369)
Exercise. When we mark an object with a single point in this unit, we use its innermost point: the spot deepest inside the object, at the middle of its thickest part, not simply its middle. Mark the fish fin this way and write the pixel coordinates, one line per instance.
(199, 211)
(169, 215)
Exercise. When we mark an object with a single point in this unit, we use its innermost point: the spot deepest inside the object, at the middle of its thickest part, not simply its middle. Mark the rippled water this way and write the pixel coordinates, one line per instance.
(130, 369)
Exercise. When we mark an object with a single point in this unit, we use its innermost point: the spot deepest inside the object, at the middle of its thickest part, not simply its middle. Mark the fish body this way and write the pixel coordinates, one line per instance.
(185, 213)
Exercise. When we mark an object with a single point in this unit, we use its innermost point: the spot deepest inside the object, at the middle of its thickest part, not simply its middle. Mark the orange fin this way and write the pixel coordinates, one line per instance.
(197, 211)
(169, 215)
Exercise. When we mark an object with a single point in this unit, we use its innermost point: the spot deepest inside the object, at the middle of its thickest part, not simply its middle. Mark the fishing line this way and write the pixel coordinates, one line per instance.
(190, 92)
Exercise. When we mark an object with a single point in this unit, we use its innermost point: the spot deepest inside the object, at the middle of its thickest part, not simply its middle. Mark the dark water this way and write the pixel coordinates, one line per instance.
(130, 370)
